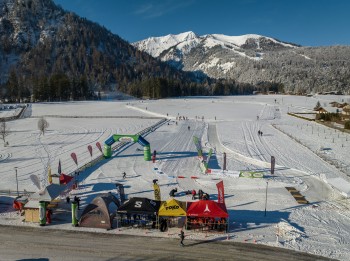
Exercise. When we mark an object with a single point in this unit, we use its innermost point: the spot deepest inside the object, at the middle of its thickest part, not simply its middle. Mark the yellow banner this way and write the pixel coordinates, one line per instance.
(172, 208)
(156, 192)
(50, 177)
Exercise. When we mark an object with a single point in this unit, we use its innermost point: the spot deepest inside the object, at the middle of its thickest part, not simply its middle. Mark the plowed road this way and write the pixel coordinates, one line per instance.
(23, 243)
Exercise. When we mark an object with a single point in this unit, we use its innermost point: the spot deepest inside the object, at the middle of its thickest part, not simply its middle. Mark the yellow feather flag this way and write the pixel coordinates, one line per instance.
(50, 177)
(156, 192)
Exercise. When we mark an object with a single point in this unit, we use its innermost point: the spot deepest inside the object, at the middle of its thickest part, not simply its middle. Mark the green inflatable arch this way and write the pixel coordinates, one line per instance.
(107, 149)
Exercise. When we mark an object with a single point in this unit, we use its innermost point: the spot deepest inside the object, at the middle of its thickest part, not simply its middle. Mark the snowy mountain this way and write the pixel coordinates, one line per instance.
(254, 59)
(214, 48)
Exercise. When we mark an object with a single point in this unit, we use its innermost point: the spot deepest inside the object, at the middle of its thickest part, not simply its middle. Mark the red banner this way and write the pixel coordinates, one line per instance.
(221, 193)
(74, 157)
(98, 145)
(90, 150)
(272, 165)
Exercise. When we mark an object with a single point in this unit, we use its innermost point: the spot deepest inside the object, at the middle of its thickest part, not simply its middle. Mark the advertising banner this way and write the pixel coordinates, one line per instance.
(156, 192)
(120, 189)
(50, 176)
(74, 157)
(208, 158)
(198, 145)
(90, 150)
(34, 178)
(98, 145)
(251, 174)
(272, 165)
(42, 213)
(172, 208)
(74, 208)
(221, 193)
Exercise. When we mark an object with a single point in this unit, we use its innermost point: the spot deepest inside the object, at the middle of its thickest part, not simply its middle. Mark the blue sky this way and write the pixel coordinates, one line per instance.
(305, 22)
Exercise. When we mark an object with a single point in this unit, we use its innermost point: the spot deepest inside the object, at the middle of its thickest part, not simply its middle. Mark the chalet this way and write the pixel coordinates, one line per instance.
(328, 110)
(346, 110)
(342, 105)
(337, 104)
(334, 104)
(321, 110)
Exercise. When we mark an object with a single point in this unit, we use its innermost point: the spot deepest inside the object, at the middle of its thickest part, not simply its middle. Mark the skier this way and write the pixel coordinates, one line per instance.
(188, 127)
(124, 175)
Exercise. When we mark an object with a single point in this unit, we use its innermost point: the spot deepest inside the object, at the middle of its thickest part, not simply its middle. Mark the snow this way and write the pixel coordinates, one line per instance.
(241, 39)
(156, 45)
(184, 42)
(236, 40)
(230, 125)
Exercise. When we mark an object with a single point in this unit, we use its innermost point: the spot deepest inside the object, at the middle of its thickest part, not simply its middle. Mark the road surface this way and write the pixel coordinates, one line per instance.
(25, 243)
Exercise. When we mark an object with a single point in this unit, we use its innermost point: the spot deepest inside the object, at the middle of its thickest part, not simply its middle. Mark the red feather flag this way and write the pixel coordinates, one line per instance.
(98, 145)
(90, 150)
(74, 157)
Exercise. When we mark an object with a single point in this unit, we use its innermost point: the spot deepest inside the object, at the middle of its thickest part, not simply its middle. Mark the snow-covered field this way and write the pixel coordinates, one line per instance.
(226, 124)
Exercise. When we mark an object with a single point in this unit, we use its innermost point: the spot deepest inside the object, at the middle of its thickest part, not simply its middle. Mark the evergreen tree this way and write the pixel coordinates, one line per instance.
(12, 89)
(318, 105)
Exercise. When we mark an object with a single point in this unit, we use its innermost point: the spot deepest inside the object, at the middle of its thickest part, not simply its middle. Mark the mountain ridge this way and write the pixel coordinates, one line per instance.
(43, 45)
(254, 58)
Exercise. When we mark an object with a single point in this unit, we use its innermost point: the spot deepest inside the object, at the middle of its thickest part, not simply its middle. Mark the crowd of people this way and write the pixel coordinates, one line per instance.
(209, 223)
(139, 220)
(201, 195)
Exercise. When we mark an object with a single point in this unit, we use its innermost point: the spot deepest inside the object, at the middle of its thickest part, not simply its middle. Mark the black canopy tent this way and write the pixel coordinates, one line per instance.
(139, 212)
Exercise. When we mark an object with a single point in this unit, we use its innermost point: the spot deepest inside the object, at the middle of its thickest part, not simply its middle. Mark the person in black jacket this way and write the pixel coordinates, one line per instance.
(77, 199)
(182, 237)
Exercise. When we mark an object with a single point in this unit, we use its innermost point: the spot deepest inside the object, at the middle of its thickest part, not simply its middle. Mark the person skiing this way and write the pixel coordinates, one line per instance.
(124, 175)
(188, 127)
(182, 237)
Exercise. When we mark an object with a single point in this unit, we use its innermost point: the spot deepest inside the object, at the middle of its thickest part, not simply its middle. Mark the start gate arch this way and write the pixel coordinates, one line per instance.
(107, 149)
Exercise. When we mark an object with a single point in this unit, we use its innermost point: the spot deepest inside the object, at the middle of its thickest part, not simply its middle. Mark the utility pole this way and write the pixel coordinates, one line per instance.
(224, 165)
(17, 182)
(267, 185)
